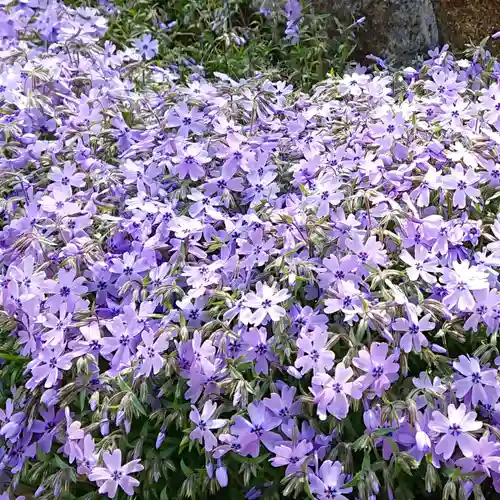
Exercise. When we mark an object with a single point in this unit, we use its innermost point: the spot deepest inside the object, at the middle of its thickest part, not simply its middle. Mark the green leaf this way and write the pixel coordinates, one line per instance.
(385, 431)
(137, 405)
(12, 357)
(187, 470)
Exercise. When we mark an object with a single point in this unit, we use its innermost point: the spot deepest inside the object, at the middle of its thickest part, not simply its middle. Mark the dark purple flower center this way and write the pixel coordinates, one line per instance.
(294, 460)
(116, 475)
(300, 321)
(455, 430)
(363, 256)
(64, 291)
(347, 302)
(266, 303)
(391, 129)
(257, 429)
(123, 340)
(414, 329)
(478, 459)
(377, 371)
(53, 363)
(94, 345)
(476, 378)
(284, 412)
(337, 388)
(331, 492)
(261, 348)
(194, 313)
(127, 271)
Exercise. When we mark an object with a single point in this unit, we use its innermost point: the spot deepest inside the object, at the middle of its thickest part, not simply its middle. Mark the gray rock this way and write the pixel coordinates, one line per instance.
(399, 29)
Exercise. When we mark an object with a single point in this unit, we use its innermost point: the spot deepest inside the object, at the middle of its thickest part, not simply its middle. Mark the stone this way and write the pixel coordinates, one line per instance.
(463, 21)
(399, 29)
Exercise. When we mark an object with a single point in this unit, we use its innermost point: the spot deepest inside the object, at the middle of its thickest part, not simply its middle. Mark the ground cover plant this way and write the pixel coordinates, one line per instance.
(230, 288)
(283, 38)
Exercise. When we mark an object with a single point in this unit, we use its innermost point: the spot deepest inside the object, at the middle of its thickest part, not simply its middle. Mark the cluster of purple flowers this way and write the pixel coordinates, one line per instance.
(305, 282)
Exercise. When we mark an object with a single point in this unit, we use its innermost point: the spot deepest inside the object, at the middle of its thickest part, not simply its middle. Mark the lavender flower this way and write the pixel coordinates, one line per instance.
(115, 474)
(292, 456)
(380, 369)
(328, 483)
(455, 429)
(147, 47)
(204, 424)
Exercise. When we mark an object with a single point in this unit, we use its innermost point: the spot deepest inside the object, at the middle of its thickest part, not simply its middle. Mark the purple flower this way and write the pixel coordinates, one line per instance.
(460, 282)
(67, 177)
(47, 428)
(204, 424)
(483, 457)
(147, 47)
(12, 423)
(129, 268)
(121, 343)
(265, 302)
(455, 429)
(380, 370)
(423, 265)
(338, 270)
(330, 394)
(66, 290)
(463, 185)
(188, 120)
(48, 365)
(477, 385)
(89, 459)
(413, 339)
(149, 353)
(258, 348)
(293, 456)
(258, 429)
(328, 482)
(115, 474)
(348, 301)
(283, 406)
(256, 250)
(74, 436)
(313, 353)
